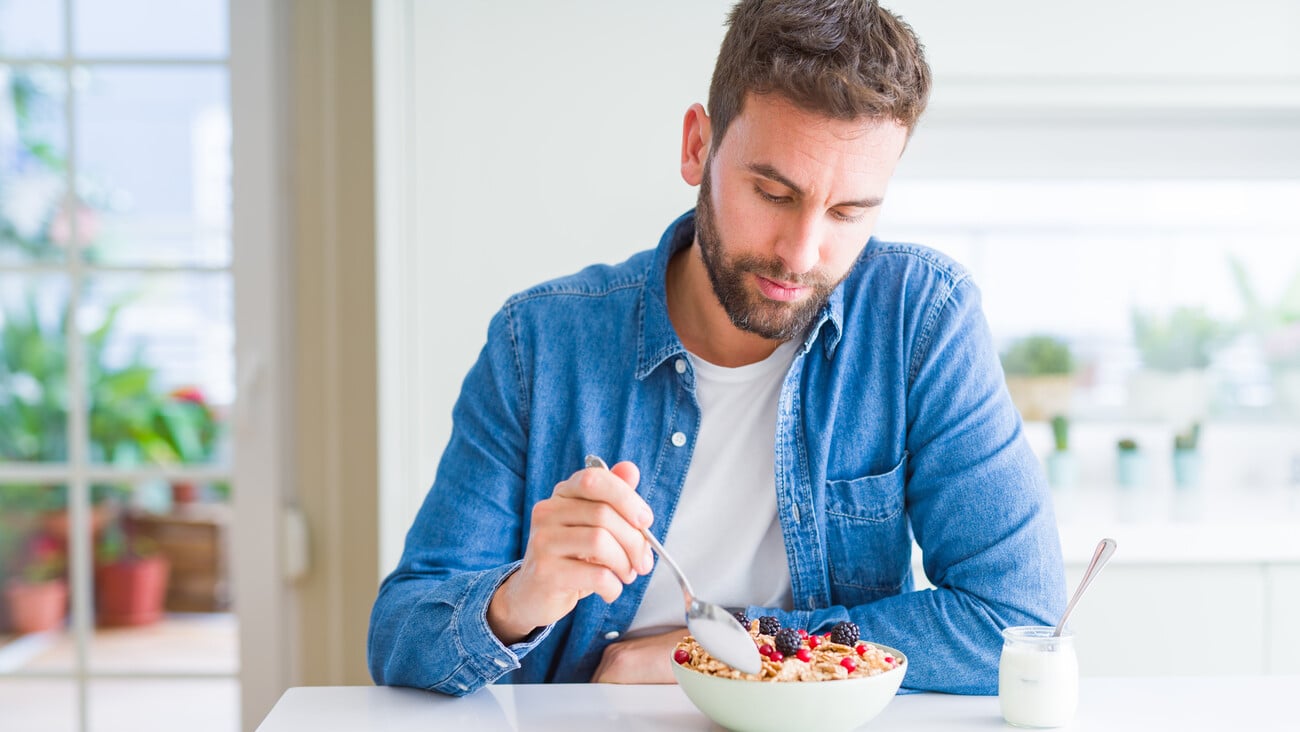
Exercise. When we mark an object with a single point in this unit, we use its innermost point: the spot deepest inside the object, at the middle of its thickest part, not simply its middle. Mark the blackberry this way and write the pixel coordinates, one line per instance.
(788, 642)
(769, 625)
(741, 618)
(846, 634)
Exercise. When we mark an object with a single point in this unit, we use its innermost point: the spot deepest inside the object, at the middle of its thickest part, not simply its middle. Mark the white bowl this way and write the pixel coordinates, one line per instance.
(782, 706)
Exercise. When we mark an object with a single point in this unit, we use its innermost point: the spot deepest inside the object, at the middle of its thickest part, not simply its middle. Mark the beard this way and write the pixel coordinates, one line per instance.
(748, 309)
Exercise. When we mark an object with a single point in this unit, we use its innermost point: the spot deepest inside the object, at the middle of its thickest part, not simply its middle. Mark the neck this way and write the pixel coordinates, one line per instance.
(700, 320)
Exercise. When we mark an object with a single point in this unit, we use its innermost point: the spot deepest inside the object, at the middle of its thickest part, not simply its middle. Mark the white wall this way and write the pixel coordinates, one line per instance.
(522, 140)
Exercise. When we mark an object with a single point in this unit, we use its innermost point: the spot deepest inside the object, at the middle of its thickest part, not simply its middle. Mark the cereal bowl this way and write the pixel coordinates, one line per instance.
(753, 705)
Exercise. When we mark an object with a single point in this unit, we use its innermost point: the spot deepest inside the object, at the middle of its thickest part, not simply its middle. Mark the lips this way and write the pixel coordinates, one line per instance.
(781, 292)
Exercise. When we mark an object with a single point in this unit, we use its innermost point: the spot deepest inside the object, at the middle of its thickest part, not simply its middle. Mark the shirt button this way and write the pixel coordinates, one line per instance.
(680, 365)
(611, 635)
(679, 439)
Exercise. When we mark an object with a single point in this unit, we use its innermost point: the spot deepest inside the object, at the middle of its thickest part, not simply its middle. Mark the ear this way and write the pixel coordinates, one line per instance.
(696, 136)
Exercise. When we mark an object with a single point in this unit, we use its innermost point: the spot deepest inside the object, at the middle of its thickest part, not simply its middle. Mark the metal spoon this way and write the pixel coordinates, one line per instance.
(1105, 548)
(716, 630)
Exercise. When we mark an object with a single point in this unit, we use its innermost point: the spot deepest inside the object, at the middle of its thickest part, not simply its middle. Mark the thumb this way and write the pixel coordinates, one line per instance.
(628, 471)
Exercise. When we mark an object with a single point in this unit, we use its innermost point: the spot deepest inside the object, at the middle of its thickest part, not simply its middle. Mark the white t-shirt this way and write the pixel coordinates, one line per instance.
(725, 533)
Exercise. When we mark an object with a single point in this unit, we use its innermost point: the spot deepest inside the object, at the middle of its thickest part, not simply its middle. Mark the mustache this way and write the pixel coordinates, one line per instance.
(773, 270)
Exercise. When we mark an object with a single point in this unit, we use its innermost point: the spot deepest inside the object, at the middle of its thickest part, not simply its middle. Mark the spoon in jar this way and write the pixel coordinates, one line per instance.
(716, 630)
(1100, 556)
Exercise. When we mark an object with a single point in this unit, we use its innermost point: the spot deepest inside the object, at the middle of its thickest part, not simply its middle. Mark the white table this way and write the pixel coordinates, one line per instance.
(1239, 703)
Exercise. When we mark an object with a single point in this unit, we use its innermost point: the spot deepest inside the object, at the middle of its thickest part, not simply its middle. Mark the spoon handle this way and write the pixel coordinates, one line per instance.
(1100, 556)
(593, 461)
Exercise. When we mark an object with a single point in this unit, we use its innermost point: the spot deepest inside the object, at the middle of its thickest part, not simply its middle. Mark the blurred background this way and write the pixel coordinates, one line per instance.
(249, 249)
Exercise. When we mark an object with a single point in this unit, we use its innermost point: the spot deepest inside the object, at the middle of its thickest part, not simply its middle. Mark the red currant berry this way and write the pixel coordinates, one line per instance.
(681, 656)
(803, 633)
(861, 649)
(766, 650)
(889, 659)
(776, 657)
(814, 641)
(804, 654)
(848, 664)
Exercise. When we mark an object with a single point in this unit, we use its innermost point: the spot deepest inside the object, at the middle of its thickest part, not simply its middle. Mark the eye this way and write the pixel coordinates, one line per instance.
(769, 197)
(846, 218)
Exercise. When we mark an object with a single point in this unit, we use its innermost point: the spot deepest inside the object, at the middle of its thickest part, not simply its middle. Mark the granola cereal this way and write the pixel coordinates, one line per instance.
(817, 658)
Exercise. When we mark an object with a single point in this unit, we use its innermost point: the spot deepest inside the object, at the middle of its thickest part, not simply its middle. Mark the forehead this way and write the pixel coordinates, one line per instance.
(811, 147)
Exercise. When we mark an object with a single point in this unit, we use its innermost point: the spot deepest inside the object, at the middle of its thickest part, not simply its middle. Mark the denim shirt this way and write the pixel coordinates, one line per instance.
(894, 424)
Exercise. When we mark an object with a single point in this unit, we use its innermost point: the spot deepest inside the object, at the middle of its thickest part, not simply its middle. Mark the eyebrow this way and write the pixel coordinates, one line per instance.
(767, 171)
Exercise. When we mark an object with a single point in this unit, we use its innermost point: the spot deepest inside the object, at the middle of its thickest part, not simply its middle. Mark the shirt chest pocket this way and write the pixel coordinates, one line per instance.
(867, 540)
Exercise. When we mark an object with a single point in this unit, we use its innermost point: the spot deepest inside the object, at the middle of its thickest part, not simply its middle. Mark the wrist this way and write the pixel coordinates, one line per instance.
(508, 628)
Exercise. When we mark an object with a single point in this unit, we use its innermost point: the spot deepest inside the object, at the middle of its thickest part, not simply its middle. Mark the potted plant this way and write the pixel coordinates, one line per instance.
(1187, 457)
(1130, 464)
(1039, 371)
(189, 425)
(1175, 352)
(36, 599)
(1275, 328)
(1062, 469)
(130, 576)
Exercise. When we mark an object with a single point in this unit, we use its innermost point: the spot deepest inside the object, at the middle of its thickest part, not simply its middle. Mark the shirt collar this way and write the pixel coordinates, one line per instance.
(658, 340)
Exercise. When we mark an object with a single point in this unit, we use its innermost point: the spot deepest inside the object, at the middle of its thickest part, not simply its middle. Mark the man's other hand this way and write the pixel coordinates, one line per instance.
(645, 660)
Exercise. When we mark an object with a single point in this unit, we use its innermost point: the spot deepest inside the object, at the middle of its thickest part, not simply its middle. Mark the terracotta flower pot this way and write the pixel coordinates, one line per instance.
(130, 592)
(35, 607)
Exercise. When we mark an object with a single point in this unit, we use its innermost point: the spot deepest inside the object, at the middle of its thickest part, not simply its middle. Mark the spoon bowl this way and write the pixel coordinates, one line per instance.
(714, 628)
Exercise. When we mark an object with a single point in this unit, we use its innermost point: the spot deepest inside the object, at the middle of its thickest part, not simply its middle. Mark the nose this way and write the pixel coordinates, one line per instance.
(799, 247)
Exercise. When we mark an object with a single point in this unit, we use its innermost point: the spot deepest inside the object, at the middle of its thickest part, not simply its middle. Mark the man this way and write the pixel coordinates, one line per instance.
(789, 403)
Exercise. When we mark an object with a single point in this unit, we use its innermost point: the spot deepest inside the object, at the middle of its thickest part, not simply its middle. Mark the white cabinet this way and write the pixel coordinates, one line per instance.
(1173, 620)
(1283, 608)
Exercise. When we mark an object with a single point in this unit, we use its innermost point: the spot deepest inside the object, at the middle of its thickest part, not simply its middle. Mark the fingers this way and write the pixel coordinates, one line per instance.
(612, 487)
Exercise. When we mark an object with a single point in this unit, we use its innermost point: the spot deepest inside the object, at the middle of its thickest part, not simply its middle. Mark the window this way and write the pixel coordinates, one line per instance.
(116, 365)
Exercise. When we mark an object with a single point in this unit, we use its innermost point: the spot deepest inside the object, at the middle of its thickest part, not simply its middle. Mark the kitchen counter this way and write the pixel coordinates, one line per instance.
(1247, 703)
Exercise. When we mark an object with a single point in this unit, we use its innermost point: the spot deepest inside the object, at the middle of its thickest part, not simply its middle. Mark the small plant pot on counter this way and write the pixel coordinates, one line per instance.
(35, 607)
(1062, 470)
(1187, 469)
(1130, 466)
(131, 591)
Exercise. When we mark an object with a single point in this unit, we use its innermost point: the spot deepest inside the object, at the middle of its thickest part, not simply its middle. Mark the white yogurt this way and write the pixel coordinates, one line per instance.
(1038, 677)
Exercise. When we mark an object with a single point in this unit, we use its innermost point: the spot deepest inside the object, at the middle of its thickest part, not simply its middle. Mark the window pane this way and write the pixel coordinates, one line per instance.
(31, 29)
(1140, 280)
(34, 589)
(161, 349)
(39, 704)
(154, 146)
(33, 368)
(164, 706)
(150, 29)
(33, 154)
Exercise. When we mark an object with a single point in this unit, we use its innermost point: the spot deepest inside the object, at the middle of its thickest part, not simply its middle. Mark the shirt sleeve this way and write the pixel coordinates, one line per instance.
(979, 508)
(428, 627)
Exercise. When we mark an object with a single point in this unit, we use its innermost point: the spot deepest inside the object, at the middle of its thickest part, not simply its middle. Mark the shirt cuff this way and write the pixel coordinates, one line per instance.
(484, 653)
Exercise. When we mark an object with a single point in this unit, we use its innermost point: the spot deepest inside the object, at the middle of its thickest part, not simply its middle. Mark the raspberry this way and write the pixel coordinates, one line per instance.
(848, 664)
(769, 625)
(846, 633)
(741, 618)
(788, 641)
(804, 654)
(681, 656)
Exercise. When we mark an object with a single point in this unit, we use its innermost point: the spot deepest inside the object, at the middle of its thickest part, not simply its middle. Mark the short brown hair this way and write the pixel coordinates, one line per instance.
(845, 59)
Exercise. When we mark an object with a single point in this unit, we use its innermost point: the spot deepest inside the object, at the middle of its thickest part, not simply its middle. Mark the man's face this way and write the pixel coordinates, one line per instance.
(786, 204)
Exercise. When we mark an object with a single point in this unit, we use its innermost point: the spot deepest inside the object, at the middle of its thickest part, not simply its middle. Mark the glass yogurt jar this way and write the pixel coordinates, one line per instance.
(1038, 677)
